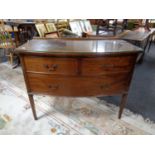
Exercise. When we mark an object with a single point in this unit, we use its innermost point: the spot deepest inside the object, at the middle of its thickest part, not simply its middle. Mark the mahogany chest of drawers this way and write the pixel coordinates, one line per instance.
(75, 68)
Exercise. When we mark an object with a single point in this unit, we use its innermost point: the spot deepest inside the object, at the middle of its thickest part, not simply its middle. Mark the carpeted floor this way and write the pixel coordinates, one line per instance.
(66, 116)
(141, 99)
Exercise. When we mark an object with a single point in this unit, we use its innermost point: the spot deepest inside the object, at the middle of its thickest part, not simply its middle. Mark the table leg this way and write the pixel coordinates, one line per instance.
(122, 104)
(32, 106)
(17, 63)
(150, 42)
(140, 58)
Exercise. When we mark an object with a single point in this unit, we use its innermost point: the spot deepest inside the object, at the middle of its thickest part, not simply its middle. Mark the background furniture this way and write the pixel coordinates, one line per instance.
(142, 23)
(76, 68)
(81, 26)
(61, 25)
(54, 34)
(140, 37)
(7, 44)
(47, 30)
(76, 27)
(50, 27)
(26, 30)
(110, 25)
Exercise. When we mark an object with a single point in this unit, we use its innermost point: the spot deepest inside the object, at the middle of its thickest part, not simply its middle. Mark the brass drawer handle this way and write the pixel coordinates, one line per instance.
(105, 86)
(51, 68)
(53, 86)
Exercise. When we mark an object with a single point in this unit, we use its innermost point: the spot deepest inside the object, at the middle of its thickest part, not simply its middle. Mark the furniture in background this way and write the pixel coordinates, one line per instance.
(152, 38)
(61, 29)
(93, 21)
(47, 30)
(136, 23)
(50, 27)
(75, 27)
(29, 30)
(52, 31)
(68, 34)
(86, 26)
(78, 68)
(81, 26)
(152, 23)
(140, 37)
(54, 34)
(13, 30)
(105, 26)
(61, 25)
(26, 30)
(143, 23)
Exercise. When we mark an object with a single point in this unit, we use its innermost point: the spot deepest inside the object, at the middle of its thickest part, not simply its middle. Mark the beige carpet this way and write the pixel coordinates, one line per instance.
(59, 115)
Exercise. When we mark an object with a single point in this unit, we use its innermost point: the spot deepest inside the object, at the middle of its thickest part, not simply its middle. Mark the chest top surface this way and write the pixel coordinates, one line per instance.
(59, 46)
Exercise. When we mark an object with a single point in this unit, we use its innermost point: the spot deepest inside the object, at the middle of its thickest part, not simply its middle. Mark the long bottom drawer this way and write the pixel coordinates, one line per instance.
(78, 86)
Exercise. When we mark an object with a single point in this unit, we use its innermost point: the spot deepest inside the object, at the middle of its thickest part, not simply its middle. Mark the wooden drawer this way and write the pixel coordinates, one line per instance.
(64, 66)
(77, 86)
(107, 65)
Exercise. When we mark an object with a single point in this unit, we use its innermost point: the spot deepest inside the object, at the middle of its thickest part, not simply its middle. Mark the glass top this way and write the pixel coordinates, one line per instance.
(77, 46)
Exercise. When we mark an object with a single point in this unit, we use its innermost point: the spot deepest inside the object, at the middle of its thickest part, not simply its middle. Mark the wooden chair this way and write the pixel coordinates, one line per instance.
(110, 25)
(143, 23)
(103, 26)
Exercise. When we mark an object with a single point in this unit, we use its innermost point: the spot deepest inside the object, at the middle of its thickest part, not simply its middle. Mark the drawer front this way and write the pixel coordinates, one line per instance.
(107, 65)
(78, 86)
(65, 66)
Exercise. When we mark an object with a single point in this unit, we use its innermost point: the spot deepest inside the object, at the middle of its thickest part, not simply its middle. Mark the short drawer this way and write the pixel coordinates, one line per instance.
(64, 66)
(107, 65)
(77, 86)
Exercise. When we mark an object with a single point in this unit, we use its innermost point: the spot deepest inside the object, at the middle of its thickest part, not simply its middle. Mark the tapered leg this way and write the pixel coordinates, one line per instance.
(32, 106)
(122, 104)
(150, 42)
